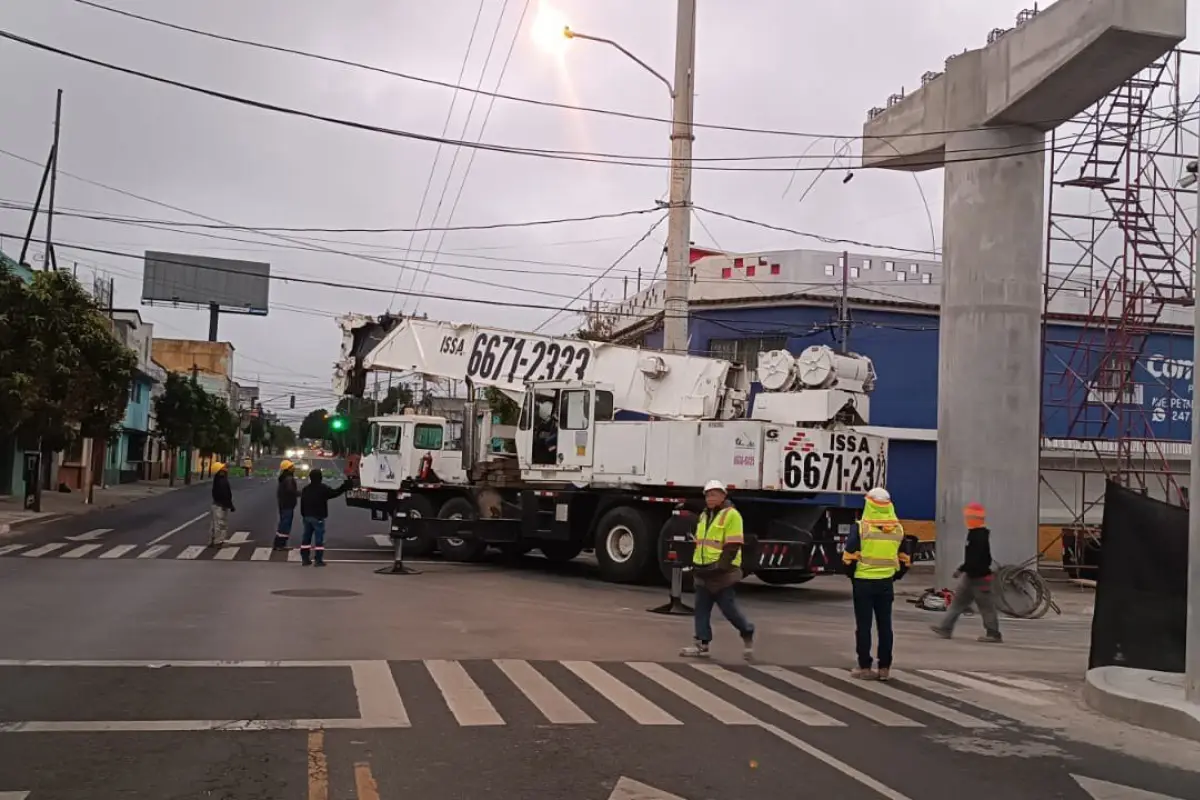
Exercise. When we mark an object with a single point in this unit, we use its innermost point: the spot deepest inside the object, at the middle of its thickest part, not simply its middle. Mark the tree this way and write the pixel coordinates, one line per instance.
(216, 428)
(259, 432)
(62, 371)
(283, 438)
(314, 426)
(177, 412)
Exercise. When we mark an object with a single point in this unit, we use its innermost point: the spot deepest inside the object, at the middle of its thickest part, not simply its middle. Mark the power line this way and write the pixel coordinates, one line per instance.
(482, 128)
(545, 153)
(438, 153)
(513, 98)
(615, 264)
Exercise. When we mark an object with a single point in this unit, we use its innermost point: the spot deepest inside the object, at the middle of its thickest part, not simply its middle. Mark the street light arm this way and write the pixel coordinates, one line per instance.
(570, 34)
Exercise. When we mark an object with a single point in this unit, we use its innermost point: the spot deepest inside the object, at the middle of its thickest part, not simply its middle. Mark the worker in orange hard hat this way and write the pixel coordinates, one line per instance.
(974, 580)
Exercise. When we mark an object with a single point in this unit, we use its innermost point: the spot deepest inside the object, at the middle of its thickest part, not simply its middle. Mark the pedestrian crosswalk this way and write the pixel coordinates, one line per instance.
(240, 549)
(503, 692)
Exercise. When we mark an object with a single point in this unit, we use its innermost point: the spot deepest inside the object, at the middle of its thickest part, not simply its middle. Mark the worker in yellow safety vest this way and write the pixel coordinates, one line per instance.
(875, 556)
(716, 569)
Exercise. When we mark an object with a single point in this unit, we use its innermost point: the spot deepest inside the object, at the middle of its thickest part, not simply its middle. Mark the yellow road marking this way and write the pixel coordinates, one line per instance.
(318, 768)
(364, 782)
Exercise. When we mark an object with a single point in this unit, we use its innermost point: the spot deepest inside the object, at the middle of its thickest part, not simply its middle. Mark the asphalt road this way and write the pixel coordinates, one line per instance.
(127, 675)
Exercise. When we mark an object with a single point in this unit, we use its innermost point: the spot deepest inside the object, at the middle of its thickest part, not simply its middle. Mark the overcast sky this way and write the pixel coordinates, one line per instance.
(764, 64)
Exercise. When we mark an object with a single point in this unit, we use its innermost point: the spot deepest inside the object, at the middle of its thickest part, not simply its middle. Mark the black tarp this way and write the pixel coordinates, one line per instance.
(1140, 618)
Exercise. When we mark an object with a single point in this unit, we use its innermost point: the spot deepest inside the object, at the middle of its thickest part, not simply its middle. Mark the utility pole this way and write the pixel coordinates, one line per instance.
(51, 258)
(679, 219)
(844, 303)
(1191, 661)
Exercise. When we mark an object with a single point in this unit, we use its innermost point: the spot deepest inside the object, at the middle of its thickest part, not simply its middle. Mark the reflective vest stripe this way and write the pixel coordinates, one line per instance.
(711, 538)
(879, 557)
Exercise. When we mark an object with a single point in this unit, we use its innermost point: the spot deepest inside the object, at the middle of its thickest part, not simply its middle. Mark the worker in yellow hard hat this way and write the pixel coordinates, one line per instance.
(222, 505)
(286, 494)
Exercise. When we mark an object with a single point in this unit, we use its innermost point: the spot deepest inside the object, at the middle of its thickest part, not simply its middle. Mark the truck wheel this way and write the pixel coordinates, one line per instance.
(785, 577)
(560, 552)
(453, 548)
(627, 546)
(418, 507)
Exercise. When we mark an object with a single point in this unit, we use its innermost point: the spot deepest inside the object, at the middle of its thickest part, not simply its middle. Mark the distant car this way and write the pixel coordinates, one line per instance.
(301, 468)
(295, 452)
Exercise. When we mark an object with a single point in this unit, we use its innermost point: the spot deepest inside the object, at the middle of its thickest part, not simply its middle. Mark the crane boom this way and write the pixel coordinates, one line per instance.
(666, 385)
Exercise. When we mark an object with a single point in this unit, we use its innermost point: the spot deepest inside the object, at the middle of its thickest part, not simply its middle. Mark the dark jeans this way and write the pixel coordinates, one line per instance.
(314, 540)
(284, 530)
(873, 602)
(724, 600)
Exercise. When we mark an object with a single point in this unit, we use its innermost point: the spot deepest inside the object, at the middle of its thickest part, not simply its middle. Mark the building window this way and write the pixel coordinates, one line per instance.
(913, 268)
(889, 266)
(854, 272)
(841, 262)
(829, 269)
(866, 263)
(900, 276)
(926, 277)
(745, 351)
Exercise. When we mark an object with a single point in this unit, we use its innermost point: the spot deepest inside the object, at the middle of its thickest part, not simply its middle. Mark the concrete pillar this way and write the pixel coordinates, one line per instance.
(989, 371)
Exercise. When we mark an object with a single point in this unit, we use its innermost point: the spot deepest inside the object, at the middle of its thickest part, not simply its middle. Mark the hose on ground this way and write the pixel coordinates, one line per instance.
(1019, 591)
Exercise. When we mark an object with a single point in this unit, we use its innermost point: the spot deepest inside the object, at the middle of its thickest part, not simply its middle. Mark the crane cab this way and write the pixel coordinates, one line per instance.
(557, 430)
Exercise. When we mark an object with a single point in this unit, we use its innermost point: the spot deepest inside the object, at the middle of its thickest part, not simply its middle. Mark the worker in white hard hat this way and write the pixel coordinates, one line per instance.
(717, 568)
(875, 557)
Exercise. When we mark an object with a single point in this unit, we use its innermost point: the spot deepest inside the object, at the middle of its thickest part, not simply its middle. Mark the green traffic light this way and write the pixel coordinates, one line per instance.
(337, 423)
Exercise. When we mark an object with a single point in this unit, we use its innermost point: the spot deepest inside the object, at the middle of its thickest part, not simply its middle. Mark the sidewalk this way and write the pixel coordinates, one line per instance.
(61, 504)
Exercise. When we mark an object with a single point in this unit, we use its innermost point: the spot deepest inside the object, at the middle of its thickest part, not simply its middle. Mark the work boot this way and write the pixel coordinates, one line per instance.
(320, 562)
(992, 637)
(864, 674)
(748, 646)
(698, 650)
(942, 632)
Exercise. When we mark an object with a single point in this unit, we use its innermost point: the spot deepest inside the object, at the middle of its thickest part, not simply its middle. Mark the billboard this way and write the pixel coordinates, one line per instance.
(239, 287)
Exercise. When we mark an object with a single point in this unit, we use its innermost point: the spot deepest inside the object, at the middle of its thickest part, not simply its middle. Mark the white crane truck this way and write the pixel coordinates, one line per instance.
(582, 479)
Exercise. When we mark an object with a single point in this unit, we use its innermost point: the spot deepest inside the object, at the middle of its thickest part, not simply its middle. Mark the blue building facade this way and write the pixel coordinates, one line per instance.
(904, 348)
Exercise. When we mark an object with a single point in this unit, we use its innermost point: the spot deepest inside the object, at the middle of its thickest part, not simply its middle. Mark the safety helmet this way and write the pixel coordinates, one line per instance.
(285, 465)
(879, 495)
(216, 467)
(715, 486)
(975, 514)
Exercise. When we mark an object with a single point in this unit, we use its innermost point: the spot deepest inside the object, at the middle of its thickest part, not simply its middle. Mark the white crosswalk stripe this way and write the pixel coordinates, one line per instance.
(45, 549)
(512, 692)
(466, 700)
(191, 552)
(11, 548)
(241, 537)
(119, 550)
(226, 554)
(154, 551)
(81, 551)
(1004, 692)
(261, 554)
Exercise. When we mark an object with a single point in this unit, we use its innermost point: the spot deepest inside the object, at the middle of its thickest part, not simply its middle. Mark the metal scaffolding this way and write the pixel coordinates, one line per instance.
(1120, 236)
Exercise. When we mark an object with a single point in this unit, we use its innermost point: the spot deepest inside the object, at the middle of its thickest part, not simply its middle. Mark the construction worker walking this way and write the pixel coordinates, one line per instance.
(287, 494)
(717, 568)
(875, 556)
(974, 580)
(222, 505)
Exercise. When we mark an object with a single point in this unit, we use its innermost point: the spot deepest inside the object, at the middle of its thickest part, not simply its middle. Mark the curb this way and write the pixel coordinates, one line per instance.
(8, 529)
(1175, 718)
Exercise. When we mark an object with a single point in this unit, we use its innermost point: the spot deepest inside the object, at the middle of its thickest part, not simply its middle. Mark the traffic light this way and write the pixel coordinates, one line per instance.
(337, 423)
(292, 402)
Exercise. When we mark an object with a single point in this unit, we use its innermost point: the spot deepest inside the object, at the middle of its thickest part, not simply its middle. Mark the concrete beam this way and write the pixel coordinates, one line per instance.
(1038, 75)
